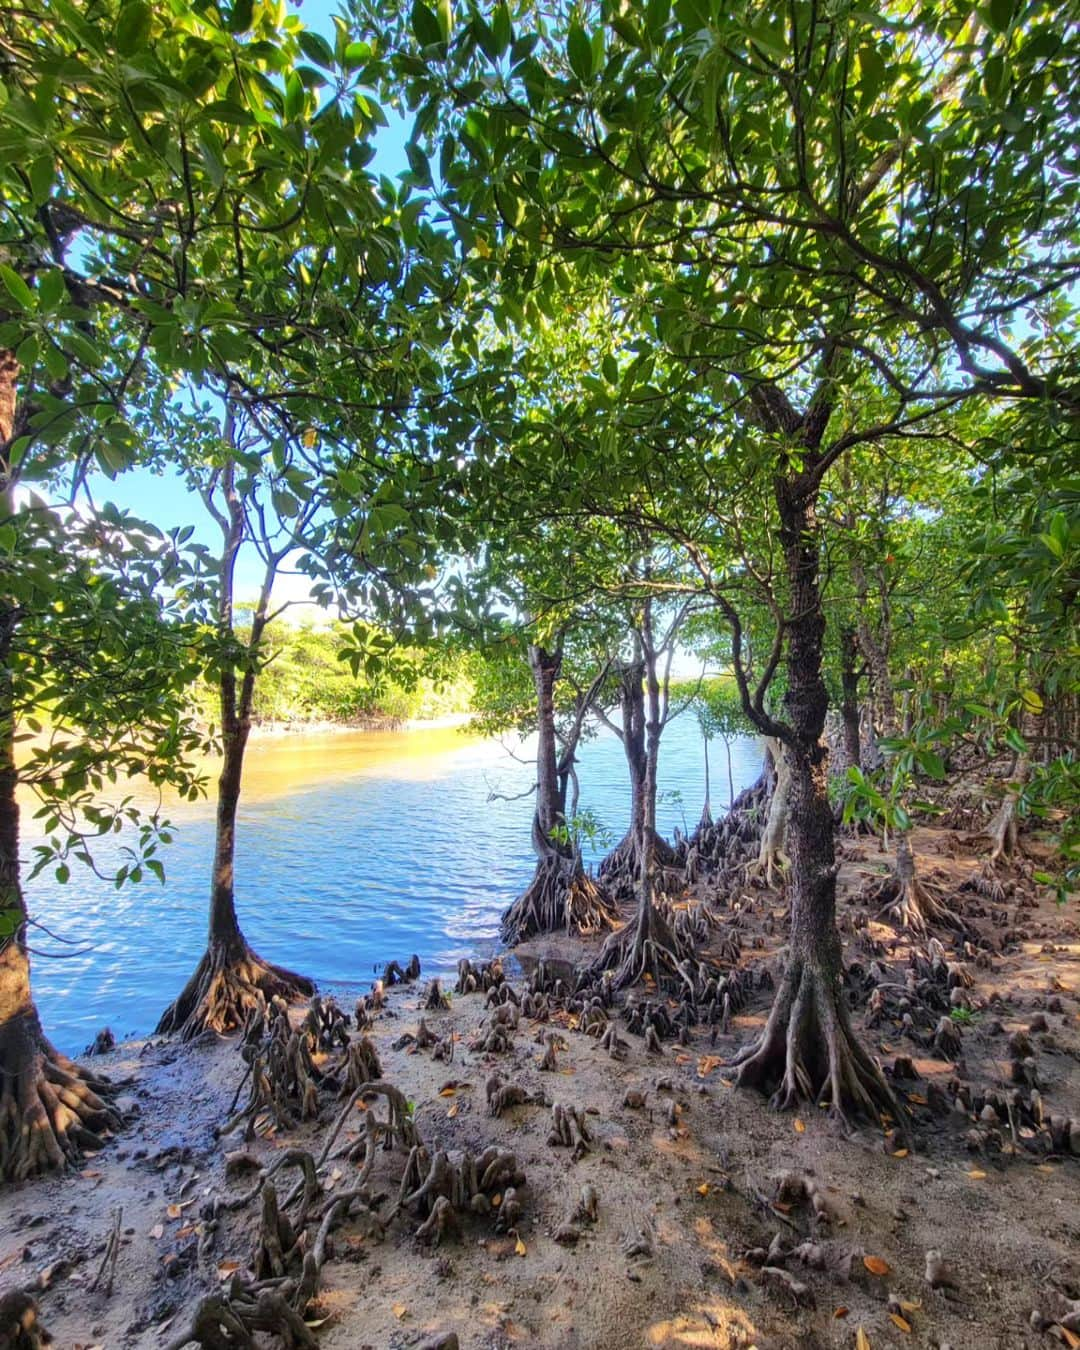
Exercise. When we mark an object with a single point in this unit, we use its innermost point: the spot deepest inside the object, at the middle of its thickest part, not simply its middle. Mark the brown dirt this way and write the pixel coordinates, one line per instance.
(704, 1190)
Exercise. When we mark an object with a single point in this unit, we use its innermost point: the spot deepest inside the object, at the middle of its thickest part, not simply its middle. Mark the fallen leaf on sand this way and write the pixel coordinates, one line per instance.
(90, 1173)
(876, 1265)
(862, 1340)
(800, 1126)
(703, 1189)
(227, 1268)
(900, 1153)
(452, 1112)
(520, 1247)
(447, 1091)
(1071, 1339)
(399, 1310)
(840, 1312)
(707, 1063)
(902, 1323)
(174, 1211)
(976, 1175)
(157, 1231)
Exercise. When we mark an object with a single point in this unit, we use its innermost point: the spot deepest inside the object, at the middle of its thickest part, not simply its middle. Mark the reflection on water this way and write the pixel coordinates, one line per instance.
(353, 847)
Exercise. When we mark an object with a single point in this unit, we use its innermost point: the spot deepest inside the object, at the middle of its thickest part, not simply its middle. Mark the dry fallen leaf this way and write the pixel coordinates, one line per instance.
(703, 1189)
(876, 1265)
(174, 1211)
(900, 1153)
(399, 1310)
(1072, 1340)
(900, 1322)
(90, 1173)
(157, 1230)
(682, 1059)
(452, 1112)
(319, 1321)
(910, 1307)
(862, 1340)
(496, 1200)
(707, 1063)
(520, 1247)
(800, 1126)
(840, 1312)
(227, 1268)
(976, 1175)
(916, 1098)
(447, 1091)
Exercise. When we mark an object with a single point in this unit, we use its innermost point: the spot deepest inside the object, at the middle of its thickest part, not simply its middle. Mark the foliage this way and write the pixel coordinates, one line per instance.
(303, 678)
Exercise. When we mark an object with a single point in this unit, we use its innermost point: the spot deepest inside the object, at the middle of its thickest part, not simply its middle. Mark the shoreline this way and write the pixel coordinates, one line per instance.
(324, 727)
(661, 1221)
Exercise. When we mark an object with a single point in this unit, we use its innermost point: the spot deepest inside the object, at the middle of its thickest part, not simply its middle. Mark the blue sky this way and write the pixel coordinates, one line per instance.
(165, 500)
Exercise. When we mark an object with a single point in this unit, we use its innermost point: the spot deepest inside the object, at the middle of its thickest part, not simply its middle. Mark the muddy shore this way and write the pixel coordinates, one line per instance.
(706, 1230)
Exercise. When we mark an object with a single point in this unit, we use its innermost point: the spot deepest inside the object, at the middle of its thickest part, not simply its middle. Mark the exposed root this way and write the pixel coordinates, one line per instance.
(560, 895)
(916, 903)
(472, 1185)
(501, 1096)
(396, 974)
(1003, 832)
(569, 1130)
(623, 870)
(434, 1000)
(226, 988)
(284, 1080)
(479, 978)
(808, 1051)
(646, 947)
(52, 1111)
(19, 1325)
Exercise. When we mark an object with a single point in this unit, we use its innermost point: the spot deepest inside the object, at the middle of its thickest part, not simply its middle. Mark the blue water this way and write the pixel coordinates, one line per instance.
(335, 878)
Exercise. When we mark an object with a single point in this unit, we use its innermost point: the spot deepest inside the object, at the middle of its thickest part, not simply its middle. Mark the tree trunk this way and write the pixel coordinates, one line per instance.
(561, 894)
(808, 1049)
(772, 856)
(231, 979)
(706, 809)
(849, 703)
(50, 1109)
(545, 668)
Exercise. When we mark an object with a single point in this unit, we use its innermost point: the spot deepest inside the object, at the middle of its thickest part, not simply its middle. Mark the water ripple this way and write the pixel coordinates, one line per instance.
(335, 877)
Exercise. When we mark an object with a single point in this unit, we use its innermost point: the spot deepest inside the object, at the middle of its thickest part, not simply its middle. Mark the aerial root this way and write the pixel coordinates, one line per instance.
(808, 1052)
(226, 988)
(52, 1112)
(19, 1325)
(561, 895)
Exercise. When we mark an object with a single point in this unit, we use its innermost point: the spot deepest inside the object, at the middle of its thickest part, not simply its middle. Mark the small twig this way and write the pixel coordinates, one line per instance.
(108, 1260)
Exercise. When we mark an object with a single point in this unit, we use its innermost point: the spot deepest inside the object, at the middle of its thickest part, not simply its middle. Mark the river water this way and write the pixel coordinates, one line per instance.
(353, 848)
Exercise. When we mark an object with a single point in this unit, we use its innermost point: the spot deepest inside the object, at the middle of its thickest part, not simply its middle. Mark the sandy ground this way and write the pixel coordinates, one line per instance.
(698, 1180)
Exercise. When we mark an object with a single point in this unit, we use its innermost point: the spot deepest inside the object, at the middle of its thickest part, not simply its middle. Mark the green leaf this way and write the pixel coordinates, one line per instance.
(1001, 12)
(1015, 741)
(51, 288)
(42, 174)
(579, 52)
(240, 16)
(294, 97)
(19, 291)
(931, 764)
(316, 49)
(133, 27)
(425, 25)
